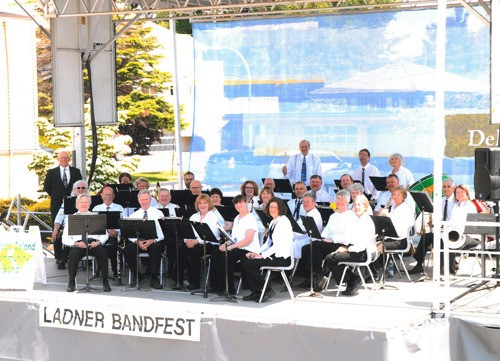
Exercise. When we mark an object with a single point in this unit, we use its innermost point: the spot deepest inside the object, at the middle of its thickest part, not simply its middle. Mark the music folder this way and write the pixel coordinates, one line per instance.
(379, 183)
(79, 224)
(295, 226)
(384, 226)
(264, 218)
(311, 227)
(225, 237)
(228, 213)
(112, 218)
(138, 228)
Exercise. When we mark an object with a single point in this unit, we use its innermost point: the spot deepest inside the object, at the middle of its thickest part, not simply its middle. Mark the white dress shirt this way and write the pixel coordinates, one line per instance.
(337, 228)
(294, 167)
(299, 239)
(241, 226)
(370, 171)
(281, 239)
(153, 215)
(405, 177)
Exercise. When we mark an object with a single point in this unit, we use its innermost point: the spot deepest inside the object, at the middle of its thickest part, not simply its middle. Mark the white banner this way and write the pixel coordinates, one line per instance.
(20, 254)
(121, 321)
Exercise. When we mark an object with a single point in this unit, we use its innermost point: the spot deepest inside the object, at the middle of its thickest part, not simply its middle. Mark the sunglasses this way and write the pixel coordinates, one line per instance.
(81, 187)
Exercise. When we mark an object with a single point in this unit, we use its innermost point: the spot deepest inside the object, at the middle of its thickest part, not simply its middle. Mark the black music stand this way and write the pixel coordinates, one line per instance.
(184, 198)
(384, 228)
(424, 204)
(229, 213)
(112, 218)
(264, 218)
(138, 229)
(282, 185)
(380, 183)
(181, 229)
(313, 232)
(295, 226)
(127, 198)
(206, 234)
(227, 201)
(325, 212)
(226, 297)
(83, 225)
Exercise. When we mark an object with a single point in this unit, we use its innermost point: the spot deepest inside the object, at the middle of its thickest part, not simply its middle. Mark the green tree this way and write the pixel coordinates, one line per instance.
(144, 113)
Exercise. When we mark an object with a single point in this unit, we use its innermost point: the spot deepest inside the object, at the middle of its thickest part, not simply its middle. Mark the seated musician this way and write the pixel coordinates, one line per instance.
(216, 197)
(265, 195)
(60, 252)
(300, 240)
(316, 185)
(361, 240)
(335, 235)
(78, 247)
(154, 247)
(169, 210)
(246, 239)
(295, 205)
(124, 178)
(191, 250)
(357, 189)
(250, 190)
(385, 199)
(276, 251)
(111, 245)
(142, 183)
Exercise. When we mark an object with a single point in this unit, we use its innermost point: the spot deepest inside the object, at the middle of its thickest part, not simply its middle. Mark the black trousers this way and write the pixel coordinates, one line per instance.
(218, 268)
(332, 262)
(76, 254)
(111, 247)
(193, 256)
(61, 252)
(320, 251)
(154, 251)
(251, 268)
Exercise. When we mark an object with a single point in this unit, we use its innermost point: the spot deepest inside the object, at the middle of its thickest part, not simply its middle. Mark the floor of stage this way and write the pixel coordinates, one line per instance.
(400, 304)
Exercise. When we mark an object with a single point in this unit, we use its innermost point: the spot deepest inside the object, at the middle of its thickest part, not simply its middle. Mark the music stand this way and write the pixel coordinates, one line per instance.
(127, 198)
(313, 232)
(185, 213)
(69, 205)
(184, 198)
(424, 204)
(138, 229)
(206, 234)
(83, 225)
(264, 218)
(229, 213)
(295, 226)
(181, 229)
(227, 201)
(384, 228)
(112, 218)
(325, 212)
(380, 183)
(282, 185)
(226, 297)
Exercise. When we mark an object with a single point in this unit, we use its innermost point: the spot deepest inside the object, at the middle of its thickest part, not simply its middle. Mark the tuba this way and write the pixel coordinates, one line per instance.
(456, 239)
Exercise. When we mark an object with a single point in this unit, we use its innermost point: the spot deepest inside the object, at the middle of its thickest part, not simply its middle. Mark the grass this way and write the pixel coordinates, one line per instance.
(154, 177)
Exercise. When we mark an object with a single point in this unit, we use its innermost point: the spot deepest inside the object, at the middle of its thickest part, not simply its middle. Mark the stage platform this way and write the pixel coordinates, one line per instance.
(385, 324)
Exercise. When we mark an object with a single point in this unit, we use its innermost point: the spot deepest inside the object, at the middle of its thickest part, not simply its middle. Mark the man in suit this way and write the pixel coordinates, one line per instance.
(59, 182)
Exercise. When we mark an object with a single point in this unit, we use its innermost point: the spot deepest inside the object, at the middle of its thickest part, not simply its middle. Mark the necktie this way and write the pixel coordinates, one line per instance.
(107, 208)
(303, 173)
(298, 202)
(65, 178)
(445, 212)
(145, 216)
(363, 177)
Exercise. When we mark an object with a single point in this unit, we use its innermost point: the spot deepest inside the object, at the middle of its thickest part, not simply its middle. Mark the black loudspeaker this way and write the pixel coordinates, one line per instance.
(487, 173)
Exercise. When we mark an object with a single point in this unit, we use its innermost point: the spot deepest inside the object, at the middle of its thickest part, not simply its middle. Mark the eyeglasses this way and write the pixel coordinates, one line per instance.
(248, 187)
(81, 187)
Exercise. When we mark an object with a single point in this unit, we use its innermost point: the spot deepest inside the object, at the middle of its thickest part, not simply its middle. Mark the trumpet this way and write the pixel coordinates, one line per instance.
(456, 238)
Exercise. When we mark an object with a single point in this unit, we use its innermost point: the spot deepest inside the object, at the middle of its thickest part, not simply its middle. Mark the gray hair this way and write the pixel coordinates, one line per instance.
(356, 187)
(448, 180)
(398, 156)
(76, 184)
(311, 195)
(345, 194)
(80, 196)
(143, 191)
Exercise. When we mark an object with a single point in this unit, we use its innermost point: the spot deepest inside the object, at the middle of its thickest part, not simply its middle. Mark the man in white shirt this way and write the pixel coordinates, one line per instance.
(303, 165)
(316, 185)
(295, 205)
(385, 199)
(299, 239)
(111, 244)
(164, 198)
(154, 247)
(364, 171)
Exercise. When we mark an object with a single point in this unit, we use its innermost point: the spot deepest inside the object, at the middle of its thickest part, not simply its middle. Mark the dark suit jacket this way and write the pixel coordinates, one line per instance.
(54, 186)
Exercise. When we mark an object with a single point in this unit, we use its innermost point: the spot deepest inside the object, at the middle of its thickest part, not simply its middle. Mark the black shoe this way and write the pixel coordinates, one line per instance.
(267, 296)
(192, 287)
(105, 285)
(155, 283)
(61, 265)
(353, 287)
(320, 287)
(417, 269)
(306, 285)
(71, 286)
(254, 296)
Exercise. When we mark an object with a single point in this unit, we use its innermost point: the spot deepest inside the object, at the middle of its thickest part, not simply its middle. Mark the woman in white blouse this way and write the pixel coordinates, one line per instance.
(405, 176)
(276, 251)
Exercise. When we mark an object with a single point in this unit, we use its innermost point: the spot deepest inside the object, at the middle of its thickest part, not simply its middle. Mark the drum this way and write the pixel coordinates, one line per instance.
(426, 184)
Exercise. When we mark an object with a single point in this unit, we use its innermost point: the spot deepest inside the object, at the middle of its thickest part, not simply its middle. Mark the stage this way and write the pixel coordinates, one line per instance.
(397, 322)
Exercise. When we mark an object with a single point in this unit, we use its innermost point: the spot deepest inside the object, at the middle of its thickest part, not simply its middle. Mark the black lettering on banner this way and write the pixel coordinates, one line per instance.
(158, 323)
(45, 319)
(99, 319)
(79, 317)
(137, 323)
(57, 316)
(189, 322)
(149, 324)
(179, 330)
(67, 316)
(126, 323)
(88, 318)
(168, 325)
(116, 323)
